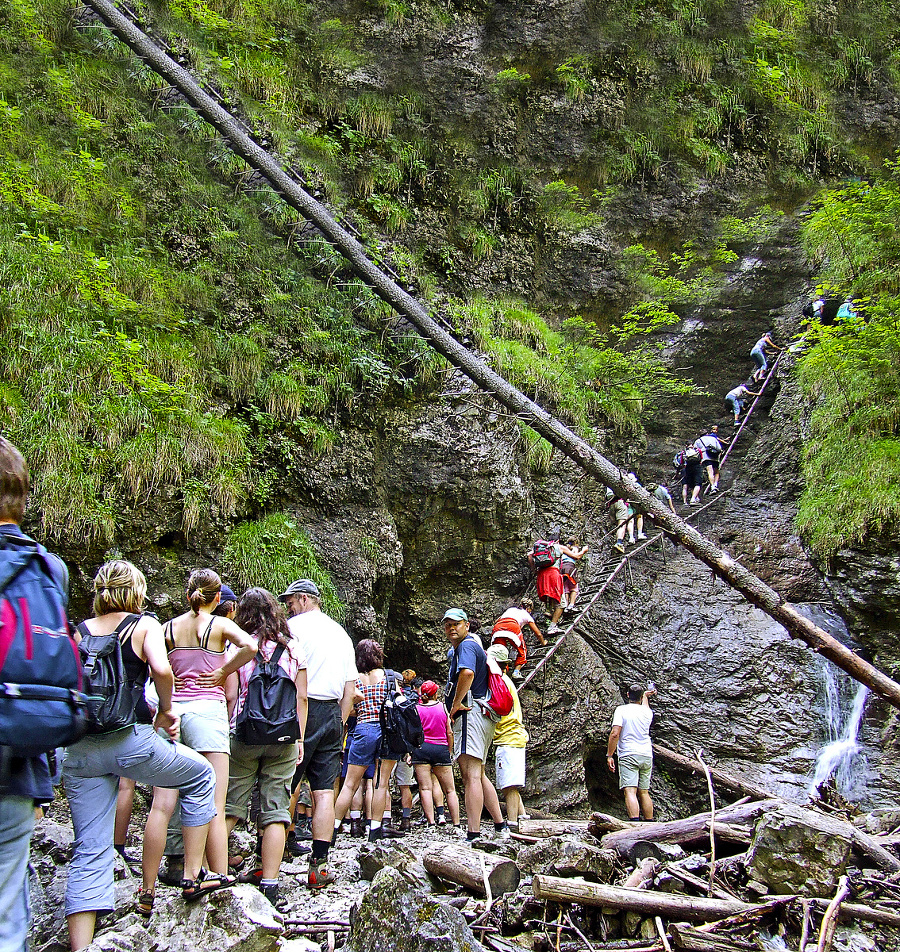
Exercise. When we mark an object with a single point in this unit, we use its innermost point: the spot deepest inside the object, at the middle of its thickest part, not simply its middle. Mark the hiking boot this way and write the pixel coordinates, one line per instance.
(252, 878)
(273, 894)
(172, 871)
(357, 827)
(295, 848)
(405, 824)
(303, 829)
(320, 875)
(389, 832)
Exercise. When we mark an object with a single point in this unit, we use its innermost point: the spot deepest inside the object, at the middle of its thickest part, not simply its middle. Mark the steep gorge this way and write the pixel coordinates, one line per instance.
(430, 499)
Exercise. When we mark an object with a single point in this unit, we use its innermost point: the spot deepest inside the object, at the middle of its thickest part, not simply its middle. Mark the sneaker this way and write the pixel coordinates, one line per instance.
(631, 541)
(553, 630)
(503, 833)
(320, 875)
(695, 502)
(642, 535)
(517, 675)
(619, 547)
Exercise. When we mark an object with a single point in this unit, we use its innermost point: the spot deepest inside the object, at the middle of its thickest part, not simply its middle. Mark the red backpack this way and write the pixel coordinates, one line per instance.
(500, 699)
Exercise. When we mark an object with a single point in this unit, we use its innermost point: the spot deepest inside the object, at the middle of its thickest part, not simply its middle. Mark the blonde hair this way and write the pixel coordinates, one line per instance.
(119, 586)
(202, 588)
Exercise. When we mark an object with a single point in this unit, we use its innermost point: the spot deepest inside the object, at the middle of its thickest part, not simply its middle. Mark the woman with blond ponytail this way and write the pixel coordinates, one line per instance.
(196, 643)
(92, 767)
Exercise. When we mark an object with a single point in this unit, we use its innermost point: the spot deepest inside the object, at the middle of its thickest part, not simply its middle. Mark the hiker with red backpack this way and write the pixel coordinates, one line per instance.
(38, 663)
(467, 697)
(544, 558)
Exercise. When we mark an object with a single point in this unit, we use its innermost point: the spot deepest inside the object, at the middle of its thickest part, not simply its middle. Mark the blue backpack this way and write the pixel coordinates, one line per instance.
(41, 704)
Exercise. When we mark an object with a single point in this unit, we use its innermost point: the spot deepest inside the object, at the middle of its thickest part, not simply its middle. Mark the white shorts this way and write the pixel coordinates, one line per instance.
(404, 774)
(472, 734)
(510, 763)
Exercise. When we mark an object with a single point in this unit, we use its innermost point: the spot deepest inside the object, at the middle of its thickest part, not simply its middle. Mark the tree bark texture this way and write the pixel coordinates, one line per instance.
(462, 865)
(542, 422)
(543, 828)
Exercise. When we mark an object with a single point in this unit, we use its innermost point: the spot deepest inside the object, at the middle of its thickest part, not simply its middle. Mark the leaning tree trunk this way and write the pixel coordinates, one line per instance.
(551, 429)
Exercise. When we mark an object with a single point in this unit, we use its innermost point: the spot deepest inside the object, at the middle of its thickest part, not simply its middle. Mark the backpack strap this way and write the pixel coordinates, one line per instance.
(126, 626)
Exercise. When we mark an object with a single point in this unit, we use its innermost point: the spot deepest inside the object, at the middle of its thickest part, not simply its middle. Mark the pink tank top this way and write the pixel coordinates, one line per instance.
(434, 723)
(189, 663)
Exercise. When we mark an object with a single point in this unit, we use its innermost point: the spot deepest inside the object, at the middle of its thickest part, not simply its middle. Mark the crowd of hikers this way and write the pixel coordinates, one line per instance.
(259, 709)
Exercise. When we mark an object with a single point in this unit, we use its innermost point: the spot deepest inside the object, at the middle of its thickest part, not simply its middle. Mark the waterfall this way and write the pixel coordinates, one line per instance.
(842, 755)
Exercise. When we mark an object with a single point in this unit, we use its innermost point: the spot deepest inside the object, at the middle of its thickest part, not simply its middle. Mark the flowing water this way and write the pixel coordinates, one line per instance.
(842, 757)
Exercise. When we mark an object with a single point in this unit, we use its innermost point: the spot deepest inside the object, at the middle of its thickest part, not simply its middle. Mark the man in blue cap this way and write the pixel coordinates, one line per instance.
(473, 729)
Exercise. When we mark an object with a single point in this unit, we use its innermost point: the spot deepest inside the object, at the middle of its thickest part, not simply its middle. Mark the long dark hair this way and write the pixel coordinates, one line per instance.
(260, 615)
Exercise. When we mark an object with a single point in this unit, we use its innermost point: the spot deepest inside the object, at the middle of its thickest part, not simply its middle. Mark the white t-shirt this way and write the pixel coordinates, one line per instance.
(330, 657)
(635, 720)
(518, 615)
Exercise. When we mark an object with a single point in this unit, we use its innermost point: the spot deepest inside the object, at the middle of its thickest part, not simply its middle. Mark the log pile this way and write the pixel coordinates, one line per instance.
(668, 894)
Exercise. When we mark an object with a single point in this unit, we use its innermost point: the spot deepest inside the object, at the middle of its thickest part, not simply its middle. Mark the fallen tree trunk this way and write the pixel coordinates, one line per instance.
(645, 901)
(462, 865)
(684, 831)
(872, 848)
(542, 828)
(551, 429)
(602, 823)
(693, 940)
(744, 787)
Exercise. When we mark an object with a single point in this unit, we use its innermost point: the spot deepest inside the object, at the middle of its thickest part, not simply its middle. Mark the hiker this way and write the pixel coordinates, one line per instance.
(473, 730)
(710, 448)
(92, 767)
(568, 568)
(630, 738)
(508, 630)
(432, 761)
(510, 738)
(758, 353)
(544, 558)
(847, 312)
(365, 792)
(196, 642)
(300, 830)
(661, 491)
(623, 517)
(331, 681)
(737, 397)
(227, 606)
(638, 516)
(272, 762)
(24, 780)
(404, 775)
(366, 746)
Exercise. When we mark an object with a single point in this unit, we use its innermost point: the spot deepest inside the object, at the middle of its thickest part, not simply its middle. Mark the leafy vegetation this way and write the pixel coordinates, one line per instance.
(273, 552)
(851, 372)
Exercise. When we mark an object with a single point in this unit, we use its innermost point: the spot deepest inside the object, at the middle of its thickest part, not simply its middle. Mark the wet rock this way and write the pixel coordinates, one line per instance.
(239, 919)
(568, 856)
(373, 857)
(393, 916)
(797, 850)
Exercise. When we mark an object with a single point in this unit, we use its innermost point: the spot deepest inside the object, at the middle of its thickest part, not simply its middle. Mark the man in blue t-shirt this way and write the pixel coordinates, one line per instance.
(473, 729)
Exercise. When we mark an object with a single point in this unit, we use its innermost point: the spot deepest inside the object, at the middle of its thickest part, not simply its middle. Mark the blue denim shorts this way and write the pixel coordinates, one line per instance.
(364, 744)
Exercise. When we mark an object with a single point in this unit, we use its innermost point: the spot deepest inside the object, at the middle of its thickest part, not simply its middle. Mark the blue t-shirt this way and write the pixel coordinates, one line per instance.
(471, 655)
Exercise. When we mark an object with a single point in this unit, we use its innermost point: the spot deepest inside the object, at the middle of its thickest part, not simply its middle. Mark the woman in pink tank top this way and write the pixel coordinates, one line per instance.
(434, 756)
(196, 642)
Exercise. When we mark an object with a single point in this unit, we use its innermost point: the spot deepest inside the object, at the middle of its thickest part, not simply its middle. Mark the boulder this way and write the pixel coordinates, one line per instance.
(798, 850)
(392, 915)
(568, 856)
(374, 857)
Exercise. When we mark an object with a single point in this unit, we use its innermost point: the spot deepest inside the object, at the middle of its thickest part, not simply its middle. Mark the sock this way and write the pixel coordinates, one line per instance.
(337, 823)
(472, 836)
(634, 819)
(355, 814)
(438, 812)
(268, 882)
(407, 813)
(499, 826)
(320, 849)
(387, 817)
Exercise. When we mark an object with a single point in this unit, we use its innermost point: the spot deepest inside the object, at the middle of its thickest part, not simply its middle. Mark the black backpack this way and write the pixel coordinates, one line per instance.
(269, 714)
(401, 726)
(41, 704)
(112, 697)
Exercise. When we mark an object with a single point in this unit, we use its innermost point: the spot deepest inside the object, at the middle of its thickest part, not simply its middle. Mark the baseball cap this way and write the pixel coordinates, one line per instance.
(455, 614)
(303, 586)
(429, 689)
(499, 652)
(226, 594)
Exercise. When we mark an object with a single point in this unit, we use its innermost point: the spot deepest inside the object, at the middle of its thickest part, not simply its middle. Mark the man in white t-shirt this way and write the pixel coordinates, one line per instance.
(630, 736)
(331, 678)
